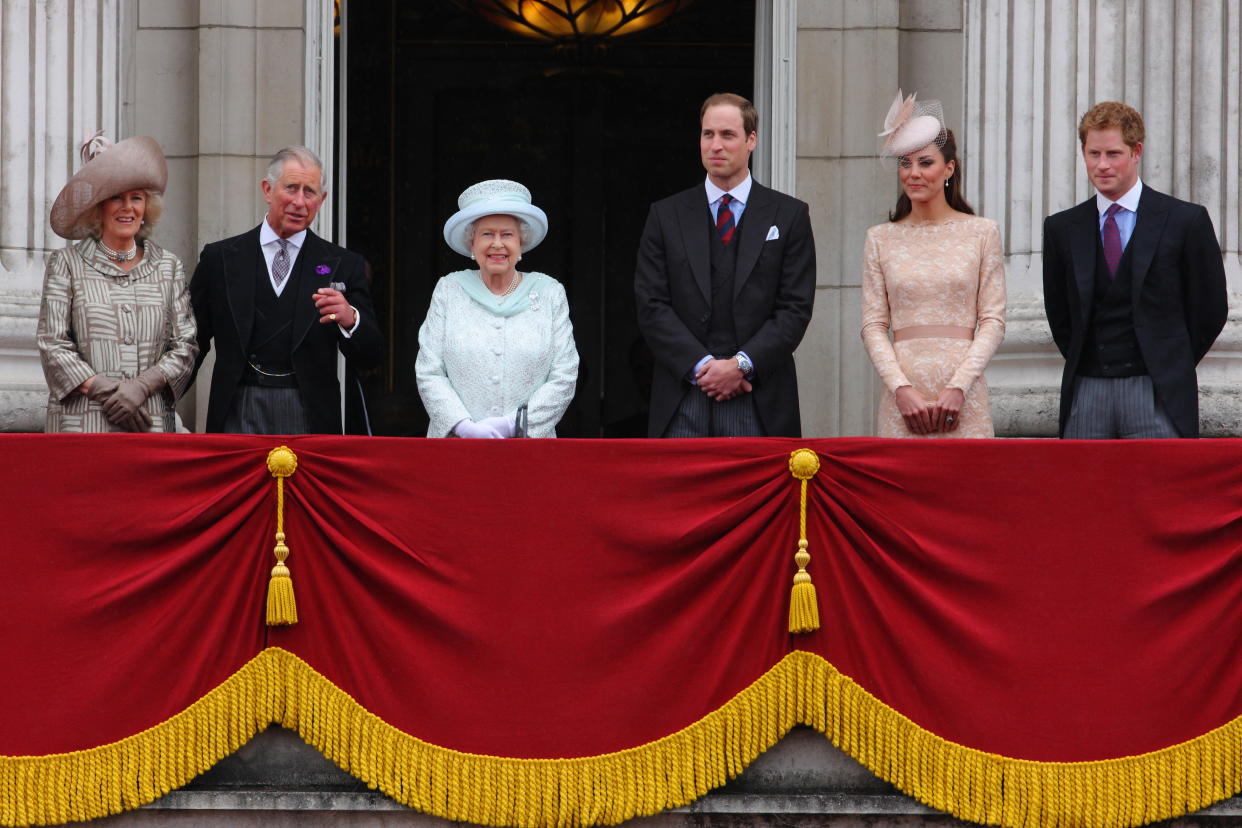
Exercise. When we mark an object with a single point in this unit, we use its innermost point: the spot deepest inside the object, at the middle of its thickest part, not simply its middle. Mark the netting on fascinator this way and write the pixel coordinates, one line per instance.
(910, 125)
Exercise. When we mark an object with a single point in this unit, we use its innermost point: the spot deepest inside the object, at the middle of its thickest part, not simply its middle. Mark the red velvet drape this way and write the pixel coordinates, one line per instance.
(1044, 600)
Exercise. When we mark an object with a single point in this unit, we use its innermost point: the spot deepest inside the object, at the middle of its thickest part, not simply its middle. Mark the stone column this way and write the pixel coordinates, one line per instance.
(1032, 69)
(60, 65)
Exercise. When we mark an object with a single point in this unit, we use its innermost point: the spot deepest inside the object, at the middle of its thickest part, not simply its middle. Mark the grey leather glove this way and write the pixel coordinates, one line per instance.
(138, 423)
(102, 387)
(124, 406)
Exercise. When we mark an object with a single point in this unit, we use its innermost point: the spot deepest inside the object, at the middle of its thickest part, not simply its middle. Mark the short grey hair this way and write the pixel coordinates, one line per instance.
(525, 231)
(303, 155)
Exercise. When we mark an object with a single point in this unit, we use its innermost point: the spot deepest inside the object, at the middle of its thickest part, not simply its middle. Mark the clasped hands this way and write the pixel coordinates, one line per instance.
(491, 428)
(722, 379)
(122, 401)
(924, 416)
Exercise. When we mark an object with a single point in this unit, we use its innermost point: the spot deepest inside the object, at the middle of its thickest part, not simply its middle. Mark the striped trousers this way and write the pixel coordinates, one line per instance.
(1111, 408)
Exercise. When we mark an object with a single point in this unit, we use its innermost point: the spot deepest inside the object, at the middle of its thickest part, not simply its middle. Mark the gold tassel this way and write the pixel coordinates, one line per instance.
(282, 609)
(803, 602)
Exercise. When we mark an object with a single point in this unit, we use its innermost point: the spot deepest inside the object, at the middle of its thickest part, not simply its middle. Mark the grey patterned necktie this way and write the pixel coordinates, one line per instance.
(280, 264)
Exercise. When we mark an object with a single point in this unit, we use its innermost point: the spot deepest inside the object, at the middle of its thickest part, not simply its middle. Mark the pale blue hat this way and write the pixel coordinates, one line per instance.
(497, 197)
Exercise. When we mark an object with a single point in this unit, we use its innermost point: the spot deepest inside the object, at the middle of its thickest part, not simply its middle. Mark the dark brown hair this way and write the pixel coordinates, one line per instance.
(952, 193)
(1110, 114)
(750, 115)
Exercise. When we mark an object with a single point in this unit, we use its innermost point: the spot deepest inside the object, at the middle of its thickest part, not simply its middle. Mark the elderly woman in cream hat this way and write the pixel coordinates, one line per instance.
(116, 336)
(496, 354)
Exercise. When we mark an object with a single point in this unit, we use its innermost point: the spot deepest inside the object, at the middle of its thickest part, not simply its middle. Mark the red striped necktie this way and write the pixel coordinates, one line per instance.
(1111, 238)
(724, 219)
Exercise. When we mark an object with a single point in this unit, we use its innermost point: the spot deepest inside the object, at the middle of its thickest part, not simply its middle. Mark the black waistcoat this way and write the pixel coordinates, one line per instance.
(721, 331)
(271, 338)
(1111, 348)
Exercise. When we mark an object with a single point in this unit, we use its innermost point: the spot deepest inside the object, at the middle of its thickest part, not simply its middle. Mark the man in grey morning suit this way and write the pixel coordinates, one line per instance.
(279, 302)
(725, 283)
(1134, 288)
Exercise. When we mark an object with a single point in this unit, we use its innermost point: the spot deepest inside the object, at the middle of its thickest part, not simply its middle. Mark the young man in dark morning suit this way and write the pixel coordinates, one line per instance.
(725, 283)
(1134, 288)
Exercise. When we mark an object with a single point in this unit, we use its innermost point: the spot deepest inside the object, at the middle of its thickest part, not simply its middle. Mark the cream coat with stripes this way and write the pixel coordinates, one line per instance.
(97, 319)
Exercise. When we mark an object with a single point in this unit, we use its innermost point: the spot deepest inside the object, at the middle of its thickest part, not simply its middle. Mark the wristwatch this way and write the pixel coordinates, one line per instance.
(744, 363)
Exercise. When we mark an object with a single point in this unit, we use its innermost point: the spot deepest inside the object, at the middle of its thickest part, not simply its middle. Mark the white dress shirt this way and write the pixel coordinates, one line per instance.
(741, 194)
(269, 243)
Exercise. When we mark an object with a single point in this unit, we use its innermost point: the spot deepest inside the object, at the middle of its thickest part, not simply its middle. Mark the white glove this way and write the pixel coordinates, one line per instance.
(503, 425)
(471, 429)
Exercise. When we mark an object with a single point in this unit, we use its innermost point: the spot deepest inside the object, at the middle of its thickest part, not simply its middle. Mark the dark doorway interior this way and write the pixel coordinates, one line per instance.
(439, 99)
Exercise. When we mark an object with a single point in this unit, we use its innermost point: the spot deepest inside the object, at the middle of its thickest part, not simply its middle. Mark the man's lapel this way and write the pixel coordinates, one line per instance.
(1148, 226)
(1084, 231)
(244, 266)
(690, 216)
(758, 217)
(315, 268)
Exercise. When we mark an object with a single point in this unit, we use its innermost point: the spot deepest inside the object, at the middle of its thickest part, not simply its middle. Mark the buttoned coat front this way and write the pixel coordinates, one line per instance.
(97, 319)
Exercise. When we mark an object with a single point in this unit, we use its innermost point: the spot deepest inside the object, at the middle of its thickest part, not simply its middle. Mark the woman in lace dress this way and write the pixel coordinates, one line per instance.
(934, 276)
(496, 354)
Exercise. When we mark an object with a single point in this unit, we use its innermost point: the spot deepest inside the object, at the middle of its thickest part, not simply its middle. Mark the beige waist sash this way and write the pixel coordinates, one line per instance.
(933, 332)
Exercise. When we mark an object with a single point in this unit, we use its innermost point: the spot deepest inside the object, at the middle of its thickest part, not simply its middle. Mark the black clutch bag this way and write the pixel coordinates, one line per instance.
(519, 423)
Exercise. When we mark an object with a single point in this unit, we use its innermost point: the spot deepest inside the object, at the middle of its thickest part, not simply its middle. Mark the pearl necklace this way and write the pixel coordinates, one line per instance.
(118, 256)
(513, 283)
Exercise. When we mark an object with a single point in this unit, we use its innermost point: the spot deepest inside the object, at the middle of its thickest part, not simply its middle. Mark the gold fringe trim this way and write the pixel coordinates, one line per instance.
(277, 686)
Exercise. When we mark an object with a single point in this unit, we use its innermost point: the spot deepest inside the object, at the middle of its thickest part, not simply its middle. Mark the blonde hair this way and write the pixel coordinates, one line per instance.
(93, 220)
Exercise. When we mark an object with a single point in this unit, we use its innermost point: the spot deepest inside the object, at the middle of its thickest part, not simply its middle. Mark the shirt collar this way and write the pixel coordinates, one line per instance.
(1129, 201)
(268, 236)
(741, 192)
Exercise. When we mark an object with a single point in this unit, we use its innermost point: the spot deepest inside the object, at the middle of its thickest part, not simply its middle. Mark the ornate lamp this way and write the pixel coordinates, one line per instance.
(575, 22)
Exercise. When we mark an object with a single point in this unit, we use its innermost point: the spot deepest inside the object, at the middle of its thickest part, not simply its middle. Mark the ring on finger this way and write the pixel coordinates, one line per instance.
(332, 317)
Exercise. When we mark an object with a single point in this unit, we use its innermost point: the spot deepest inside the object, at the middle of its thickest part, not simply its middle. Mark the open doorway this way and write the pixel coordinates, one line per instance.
(439, 98)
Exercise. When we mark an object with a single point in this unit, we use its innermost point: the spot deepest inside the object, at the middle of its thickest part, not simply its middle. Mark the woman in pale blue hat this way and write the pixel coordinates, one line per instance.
(496, 354)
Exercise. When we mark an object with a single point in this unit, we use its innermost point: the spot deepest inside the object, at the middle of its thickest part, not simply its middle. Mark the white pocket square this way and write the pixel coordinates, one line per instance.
(773, 233)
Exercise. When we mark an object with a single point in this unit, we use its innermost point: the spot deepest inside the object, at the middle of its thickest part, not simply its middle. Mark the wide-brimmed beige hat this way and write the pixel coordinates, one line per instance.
(109, 169)
(496, 197)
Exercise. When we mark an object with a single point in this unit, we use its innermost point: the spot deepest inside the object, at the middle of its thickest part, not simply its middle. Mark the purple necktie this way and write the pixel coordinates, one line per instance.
(1112, 240)
(724, 219)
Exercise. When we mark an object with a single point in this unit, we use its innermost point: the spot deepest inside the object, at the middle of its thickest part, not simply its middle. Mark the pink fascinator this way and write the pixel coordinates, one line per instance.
(911, 124)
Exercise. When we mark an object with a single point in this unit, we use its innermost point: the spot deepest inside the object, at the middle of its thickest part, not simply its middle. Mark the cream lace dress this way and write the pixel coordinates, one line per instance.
(946, 273)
